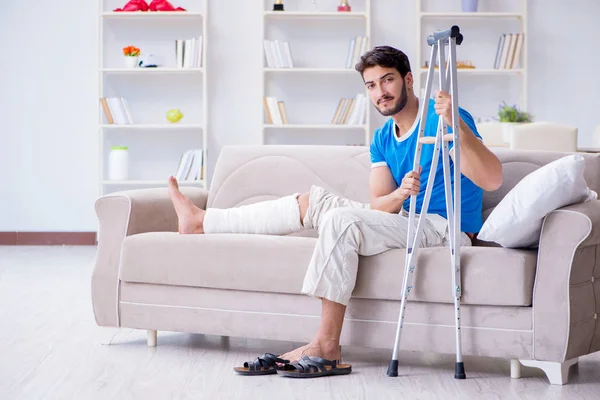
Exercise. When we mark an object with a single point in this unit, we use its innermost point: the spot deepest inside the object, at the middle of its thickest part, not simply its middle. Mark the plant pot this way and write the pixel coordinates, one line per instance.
(131, 62)
(469, 5)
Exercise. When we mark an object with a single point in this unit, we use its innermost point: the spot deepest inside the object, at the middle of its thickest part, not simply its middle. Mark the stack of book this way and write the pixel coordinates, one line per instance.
(508, 53)
(191, 166)
(116, 110)
(188, 52)
(278, 54)
(358, 46)
(351, 111)
(275, 111)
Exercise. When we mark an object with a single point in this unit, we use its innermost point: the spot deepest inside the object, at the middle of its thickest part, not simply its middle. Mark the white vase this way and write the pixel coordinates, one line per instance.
(469, 5)
(131, 62)
(507, 129)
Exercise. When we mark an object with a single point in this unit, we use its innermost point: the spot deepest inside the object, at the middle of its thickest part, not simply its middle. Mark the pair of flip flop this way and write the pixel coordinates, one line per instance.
(307, 367)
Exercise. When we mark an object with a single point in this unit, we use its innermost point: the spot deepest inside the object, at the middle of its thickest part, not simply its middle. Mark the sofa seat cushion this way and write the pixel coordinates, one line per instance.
(490, 276)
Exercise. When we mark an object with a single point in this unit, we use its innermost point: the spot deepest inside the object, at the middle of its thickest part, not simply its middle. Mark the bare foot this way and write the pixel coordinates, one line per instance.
(190, 217)
(314, 348)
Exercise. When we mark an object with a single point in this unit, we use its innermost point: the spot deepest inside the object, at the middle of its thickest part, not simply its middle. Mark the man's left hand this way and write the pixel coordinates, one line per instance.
(443, 106)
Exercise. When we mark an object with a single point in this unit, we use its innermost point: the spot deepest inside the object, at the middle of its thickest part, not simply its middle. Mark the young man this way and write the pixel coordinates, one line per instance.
(347, 228)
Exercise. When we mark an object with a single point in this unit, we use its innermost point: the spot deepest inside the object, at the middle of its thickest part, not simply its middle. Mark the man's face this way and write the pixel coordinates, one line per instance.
(386, 88)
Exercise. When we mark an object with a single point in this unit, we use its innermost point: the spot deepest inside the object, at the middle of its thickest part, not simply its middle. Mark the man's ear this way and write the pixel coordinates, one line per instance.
(409, 80)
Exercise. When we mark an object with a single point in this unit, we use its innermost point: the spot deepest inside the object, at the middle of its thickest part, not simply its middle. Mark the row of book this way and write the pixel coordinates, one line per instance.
(188, 52)
(275, 111)
(508, 53)
(278, 54)
(191, 166)
(358, 46)
(116, 110)
(351, 111)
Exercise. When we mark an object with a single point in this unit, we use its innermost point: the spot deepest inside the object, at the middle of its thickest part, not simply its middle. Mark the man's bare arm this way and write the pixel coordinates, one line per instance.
(385, 194)
(477, 162)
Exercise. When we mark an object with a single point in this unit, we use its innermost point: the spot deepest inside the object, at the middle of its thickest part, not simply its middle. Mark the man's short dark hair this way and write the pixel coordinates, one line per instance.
(384, 56)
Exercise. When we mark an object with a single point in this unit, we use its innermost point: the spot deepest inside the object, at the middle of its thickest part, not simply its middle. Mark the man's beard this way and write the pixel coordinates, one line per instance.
(399, 106)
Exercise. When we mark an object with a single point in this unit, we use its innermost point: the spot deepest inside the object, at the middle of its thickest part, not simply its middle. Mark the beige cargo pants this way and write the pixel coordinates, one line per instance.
(348, 229)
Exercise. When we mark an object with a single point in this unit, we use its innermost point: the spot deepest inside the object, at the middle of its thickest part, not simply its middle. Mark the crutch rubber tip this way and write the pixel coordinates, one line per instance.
(460, 371)
(393, 368)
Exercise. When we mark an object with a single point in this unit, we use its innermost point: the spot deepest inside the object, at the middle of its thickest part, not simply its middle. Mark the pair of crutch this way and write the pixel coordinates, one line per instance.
(447, 79)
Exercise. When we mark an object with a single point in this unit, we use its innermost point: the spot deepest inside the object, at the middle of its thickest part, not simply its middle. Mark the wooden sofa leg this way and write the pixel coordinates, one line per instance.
(557, 373)
(152, 338)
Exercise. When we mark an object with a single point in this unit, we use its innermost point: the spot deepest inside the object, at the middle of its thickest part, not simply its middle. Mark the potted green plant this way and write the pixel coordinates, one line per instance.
(509, 116)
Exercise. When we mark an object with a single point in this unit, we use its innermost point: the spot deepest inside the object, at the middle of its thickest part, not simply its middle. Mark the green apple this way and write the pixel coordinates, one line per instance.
(174, 115)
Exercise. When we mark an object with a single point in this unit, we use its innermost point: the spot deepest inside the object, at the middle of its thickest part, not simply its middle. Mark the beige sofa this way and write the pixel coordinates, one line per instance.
(537, 306)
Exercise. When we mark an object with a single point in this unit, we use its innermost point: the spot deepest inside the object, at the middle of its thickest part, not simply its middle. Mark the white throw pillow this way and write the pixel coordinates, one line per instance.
(517, 220)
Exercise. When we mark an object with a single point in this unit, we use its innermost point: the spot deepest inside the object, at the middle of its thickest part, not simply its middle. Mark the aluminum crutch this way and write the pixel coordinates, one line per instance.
(438, 40)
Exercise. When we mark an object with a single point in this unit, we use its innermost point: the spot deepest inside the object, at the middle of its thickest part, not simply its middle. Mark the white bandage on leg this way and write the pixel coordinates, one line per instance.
(271, 217)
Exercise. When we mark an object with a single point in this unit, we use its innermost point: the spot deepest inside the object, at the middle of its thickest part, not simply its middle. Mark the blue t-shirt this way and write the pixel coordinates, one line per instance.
(399, 153)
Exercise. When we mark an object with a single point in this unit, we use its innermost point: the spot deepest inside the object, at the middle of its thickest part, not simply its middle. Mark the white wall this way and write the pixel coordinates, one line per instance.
(48, 81)
(48, 141)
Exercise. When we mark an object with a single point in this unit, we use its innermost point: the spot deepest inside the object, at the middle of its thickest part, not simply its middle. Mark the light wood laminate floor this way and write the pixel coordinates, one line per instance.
(50, 349)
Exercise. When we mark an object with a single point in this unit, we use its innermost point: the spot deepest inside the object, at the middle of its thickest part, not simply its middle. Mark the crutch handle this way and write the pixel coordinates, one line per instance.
(453, 32)
(431, 139)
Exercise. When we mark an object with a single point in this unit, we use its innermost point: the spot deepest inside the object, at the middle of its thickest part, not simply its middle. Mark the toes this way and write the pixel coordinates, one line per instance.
(173, 182)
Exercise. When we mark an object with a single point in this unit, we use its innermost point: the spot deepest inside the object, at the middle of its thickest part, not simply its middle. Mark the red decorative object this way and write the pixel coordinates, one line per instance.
(164, 5)
(155, 5)
(134, 5)
(345, 7)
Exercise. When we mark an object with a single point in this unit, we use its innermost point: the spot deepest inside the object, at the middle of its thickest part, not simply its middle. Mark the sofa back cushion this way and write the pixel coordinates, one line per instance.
(248, 174)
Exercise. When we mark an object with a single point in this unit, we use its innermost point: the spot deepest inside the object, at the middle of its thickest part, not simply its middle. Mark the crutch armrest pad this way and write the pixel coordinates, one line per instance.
(453, 32)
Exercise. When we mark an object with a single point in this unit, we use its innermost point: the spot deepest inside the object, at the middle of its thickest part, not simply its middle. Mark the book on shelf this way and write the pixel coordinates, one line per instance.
(116, 110)
(191, 166)
(275, 111)
(278, 54)
(508, 52)
(188, 52)
(351, 111)
(356, 48)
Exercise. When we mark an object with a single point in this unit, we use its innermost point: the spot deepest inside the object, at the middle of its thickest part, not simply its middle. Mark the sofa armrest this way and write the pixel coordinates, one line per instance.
(564, 302)
(124, 214)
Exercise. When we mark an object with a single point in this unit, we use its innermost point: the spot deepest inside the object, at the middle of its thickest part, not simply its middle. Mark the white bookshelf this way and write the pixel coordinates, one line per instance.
(164, 70)
(142, 127)
(316, 14)
(153, 15)
(319, 43)
(155, 145)
(315, 126)
(484, 71)
(483, 88)
(314, 70)
(471, 15)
